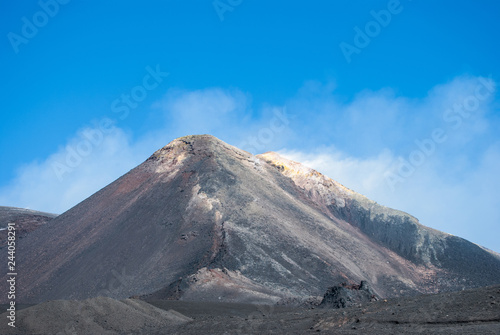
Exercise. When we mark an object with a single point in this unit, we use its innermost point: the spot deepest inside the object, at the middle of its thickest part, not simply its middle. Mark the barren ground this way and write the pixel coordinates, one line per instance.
(467, 312)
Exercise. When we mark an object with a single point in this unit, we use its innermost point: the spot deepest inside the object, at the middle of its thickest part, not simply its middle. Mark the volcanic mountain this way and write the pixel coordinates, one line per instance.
(203, 220)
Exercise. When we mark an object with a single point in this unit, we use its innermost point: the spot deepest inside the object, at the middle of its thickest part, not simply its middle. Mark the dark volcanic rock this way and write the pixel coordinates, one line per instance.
(203, 220)
(345, 295)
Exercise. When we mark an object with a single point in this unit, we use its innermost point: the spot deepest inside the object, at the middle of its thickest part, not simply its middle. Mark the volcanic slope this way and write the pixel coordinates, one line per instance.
(203, 220)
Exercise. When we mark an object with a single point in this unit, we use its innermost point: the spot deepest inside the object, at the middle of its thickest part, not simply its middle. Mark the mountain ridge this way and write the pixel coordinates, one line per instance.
(429, 246)
(25, 220)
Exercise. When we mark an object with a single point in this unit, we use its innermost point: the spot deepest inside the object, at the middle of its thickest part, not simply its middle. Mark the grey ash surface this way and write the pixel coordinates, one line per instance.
(475, 311)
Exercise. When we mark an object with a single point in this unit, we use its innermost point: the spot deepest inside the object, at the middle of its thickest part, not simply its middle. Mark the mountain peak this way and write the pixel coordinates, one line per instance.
(188, 144)
(193, 144)
(180, 149)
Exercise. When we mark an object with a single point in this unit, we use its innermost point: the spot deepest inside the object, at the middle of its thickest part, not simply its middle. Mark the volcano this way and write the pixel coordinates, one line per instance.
(201, 220)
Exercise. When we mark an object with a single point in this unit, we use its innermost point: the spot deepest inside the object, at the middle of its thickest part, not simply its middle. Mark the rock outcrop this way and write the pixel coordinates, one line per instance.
(344, 295)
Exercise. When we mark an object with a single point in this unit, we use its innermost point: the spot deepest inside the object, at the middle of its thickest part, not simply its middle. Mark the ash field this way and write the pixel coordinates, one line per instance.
(475, 311)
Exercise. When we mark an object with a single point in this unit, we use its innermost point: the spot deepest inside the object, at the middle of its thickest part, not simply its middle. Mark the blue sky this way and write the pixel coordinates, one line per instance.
(408, 115)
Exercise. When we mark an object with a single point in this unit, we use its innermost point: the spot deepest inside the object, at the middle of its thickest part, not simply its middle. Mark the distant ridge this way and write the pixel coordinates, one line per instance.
(26, 221)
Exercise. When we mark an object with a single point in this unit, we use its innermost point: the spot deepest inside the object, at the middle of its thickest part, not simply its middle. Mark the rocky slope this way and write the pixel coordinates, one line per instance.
(393, 229)
(203, 220)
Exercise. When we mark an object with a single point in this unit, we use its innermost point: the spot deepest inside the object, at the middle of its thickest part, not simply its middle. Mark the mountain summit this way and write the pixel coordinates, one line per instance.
(203, 220)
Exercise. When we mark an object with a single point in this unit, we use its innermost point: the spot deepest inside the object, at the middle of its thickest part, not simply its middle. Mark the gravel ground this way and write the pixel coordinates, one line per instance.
(467, 312)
